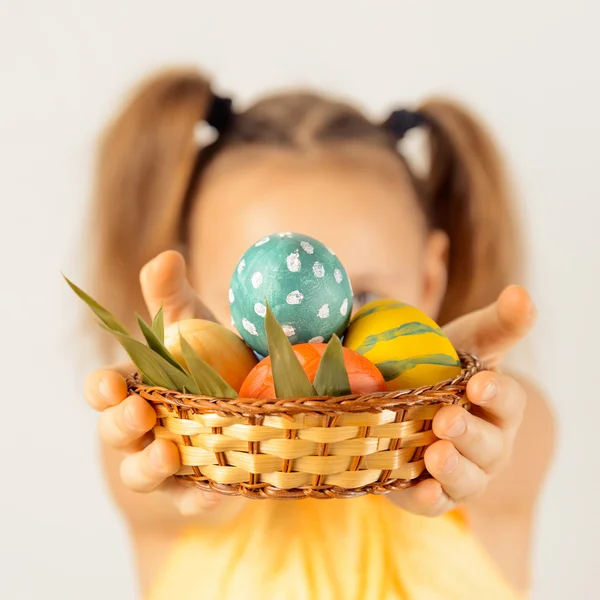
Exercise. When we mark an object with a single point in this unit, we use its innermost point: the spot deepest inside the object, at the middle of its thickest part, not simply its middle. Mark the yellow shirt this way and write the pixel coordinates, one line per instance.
(360, 549)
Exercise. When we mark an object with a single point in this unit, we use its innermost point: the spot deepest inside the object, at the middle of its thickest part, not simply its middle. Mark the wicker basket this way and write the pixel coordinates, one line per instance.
(320, 447)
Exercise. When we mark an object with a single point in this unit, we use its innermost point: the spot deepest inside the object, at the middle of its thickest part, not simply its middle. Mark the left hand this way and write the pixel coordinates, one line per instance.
(475, 445)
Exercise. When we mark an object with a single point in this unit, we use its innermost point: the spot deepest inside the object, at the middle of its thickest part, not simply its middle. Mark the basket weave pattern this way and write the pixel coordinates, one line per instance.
(322, 447)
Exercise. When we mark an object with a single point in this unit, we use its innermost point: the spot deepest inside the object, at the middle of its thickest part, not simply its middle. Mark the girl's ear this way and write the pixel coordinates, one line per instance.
(436, 272)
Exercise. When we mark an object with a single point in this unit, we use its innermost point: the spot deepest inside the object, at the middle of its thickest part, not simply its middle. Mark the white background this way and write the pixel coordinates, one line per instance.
(530, 68)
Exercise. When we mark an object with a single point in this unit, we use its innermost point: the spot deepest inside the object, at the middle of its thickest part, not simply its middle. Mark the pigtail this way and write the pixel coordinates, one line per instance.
(469, 199)
(145, 161)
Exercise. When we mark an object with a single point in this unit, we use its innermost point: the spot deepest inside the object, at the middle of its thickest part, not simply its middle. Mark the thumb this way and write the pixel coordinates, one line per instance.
(491, 332)
(164, 283)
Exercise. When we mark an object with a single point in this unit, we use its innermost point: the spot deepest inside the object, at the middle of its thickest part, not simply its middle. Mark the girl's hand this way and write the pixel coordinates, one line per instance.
(475, 445)
(126, 421)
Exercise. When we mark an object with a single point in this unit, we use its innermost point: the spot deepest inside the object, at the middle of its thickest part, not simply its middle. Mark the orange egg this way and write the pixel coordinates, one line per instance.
(363, 374)
(222, 349)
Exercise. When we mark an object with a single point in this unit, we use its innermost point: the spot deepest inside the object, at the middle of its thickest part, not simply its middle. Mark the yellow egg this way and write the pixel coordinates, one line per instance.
(222, 349)
(406, 345)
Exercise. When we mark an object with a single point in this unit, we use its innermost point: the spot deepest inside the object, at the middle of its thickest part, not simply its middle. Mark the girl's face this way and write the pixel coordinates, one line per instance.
(359, 203)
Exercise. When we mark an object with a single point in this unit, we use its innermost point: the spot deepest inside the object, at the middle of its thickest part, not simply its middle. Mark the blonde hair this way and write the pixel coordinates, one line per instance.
(149, 164)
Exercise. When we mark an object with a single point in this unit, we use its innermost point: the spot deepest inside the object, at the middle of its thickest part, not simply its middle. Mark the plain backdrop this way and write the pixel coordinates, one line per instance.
(530, 68)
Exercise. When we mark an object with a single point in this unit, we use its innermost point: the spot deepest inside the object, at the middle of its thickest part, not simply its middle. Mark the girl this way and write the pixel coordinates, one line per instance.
(443, 241)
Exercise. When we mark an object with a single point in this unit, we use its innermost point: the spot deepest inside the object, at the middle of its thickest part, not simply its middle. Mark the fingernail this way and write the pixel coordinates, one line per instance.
(489, 392)
(211, 498)
(533, 313)
(155, 459)
(450, 463)
(188, 504)
(130, 419)
(193, 501)
(457, 428)
(104, 389)
(438, 499)
(145, 270)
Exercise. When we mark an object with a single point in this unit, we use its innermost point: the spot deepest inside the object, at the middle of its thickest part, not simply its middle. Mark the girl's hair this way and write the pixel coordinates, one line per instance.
(149, 164)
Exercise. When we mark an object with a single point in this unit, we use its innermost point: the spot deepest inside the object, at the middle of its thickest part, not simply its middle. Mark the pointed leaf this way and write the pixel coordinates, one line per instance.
(332, 378)
(104, 315)
(153, 368)
(288, 376)
(158, 325)
(208, 381)
(155, 344)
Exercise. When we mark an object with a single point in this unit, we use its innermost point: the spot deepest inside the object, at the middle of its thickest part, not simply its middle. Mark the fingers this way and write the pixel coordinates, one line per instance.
(491, 332)
(460, 478)
(121, 425)
(106, 388)
(146, 470)
(498, 398)
(477, 440)
(427, 498)
(472, 446)
(191, 501)
(152, 469)
(164, 283)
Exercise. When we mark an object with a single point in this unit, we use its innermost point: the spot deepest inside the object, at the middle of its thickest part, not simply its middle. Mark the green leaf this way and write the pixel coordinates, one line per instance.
(288, 376)
(206, 378)
(156, 344)
(332, 378)
(154, 369)
(158, 325)
(111, 322)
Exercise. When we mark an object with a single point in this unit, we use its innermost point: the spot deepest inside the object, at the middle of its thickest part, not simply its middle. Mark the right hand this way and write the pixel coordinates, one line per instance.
(126, 421)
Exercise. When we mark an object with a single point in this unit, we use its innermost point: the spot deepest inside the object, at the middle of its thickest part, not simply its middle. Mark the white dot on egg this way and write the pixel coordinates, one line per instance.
(286, 234)
(261, 242)
(249, 327)
(256, 279)
(331, 251)
(232, 322)
(344, 308)
(319, 339)
(338, 276)
(241, 266)
(308, 248)
(323, 312)
(288, 330)
(295, 297)
(294, 264)
(260, 309)
(318, 269)
(231, 296)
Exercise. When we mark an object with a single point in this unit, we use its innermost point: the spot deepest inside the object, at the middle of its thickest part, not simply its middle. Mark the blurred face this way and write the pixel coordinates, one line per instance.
(358, 202)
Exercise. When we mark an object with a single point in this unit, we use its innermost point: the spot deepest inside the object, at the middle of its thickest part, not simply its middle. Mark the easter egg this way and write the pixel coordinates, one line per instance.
(222, 349)
(408, 347)
(363, 375)
(304, 283)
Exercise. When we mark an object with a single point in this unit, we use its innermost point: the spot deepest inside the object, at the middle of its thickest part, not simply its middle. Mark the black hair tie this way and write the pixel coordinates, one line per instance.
(220, 113)
(400, 122)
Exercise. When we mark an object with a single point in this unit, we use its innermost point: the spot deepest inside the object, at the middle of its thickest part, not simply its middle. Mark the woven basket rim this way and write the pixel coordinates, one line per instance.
(263, 491)
(332, 405)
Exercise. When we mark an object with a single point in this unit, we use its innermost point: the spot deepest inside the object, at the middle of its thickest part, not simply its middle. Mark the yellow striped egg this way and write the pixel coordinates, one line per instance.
(406, 345)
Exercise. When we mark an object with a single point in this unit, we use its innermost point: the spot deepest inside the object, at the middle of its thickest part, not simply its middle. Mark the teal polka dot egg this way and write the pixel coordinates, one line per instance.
(304, 283)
